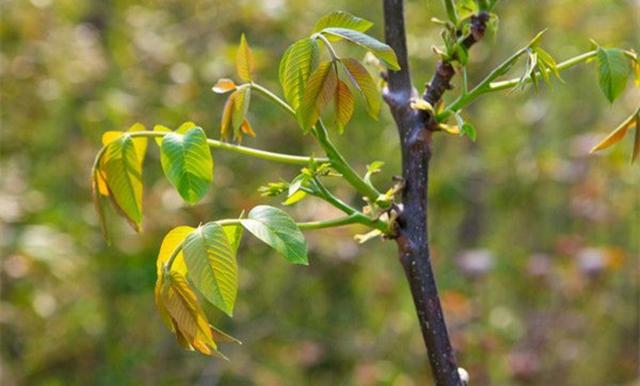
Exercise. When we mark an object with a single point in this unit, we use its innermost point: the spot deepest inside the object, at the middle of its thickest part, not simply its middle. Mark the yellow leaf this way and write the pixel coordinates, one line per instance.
(223, 85)
(421, 104)
(344, 105)
(616, 135)
(101, 183)
(162, 129)
(172, 241)
(139, 143)
(246, 128)
(111, 136)
(185, 127)
(244, 60)
(455, 130)
(227, 112)
(186, 313)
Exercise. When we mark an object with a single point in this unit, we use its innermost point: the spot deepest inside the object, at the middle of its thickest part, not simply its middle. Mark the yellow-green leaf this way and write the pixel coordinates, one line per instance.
(362, 81)
(173, 241)
(140, 143)
(187, 316)
(161, 129)
(212, 266)
(241, 98)
(123, 173)
(245, 63)
(379, 49)
(227, 112)
(341, 19)
(295, 68)
(317, 94)
(344, 105)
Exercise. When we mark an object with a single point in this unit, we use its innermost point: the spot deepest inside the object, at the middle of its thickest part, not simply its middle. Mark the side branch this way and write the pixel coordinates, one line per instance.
(395, 36)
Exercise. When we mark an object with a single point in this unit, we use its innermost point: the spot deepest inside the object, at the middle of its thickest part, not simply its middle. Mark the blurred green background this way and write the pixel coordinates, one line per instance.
(535, 242)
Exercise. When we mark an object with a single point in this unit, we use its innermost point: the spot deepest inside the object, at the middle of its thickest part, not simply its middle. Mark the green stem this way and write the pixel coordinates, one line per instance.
(263, 154)
(488, 85)
(332, 52)
(309, 225)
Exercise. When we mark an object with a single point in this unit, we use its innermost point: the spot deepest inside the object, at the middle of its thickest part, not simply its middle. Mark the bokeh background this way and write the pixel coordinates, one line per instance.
(535, 242)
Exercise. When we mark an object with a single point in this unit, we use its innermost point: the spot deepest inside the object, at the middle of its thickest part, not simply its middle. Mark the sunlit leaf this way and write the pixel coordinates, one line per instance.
(123, 173)
(140, 143)
(187, 163)
(223, 85)
(212, 266)
(381, 50)
(362, 81)
(275, 228)
(618, 133)
(99, 192)
(171, 243)
(344, 105)
(225, 123)
(466, 8)
(161, 129)
(613, 71)
(245, 63)
(186, 126)
(295, 68)
(317, 94)
(234, 235)
(189, 321)
(341, 19)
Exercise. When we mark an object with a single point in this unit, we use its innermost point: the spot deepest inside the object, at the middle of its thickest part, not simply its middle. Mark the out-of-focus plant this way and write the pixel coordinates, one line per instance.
(197, 266)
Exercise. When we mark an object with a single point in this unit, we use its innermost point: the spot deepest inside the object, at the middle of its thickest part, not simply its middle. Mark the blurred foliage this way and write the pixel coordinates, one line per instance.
(536, 243)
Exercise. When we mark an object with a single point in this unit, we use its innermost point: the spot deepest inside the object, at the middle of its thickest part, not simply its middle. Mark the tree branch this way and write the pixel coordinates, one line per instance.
(412, 233)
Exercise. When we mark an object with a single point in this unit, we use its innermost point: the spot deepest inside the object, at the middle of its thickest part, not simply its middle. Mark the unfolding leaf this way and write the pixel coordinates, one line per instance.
(344, 105)
(245, 63)
(172, 243)
(122, 171)
(223, 85)
(186, 161)
(295, 68)
(317, 94)
(618, 133)
(241, 98)
(212, 266)
(362, 81)
(613, 71)
(275, 228)
(189, 321)
(341, 19)
(246, 129)
(381, 50)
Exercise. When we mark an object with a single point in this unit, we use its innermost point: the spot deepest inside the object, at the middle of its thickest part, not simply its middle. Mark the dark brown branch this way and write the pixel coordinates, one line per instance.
(412, 235)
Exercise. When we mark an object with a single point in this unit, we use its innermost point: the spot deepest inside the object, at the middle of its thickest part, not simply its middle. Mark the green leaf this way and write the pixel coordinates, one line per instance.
(466, 8)
(245, 63)
(187, 163)
(212, 266)
(295, 68)
(468, 130)
(362, 81)
(234, 234)
(122, 171)
(613, 71)
(275, 228)
(344, 105)
(379, 49)
(319, 90)
(341, 19)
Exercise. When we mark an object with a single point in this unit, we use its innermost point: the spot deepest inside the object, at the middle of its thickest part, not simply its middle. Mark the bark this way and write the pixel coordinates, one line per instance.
(415, 129)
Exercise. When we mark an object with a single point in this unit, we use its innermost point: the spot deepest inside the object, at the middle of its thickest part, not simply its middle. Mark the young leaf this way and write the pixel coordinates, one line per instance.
(319, 90)
(161, 129)
(212, 266)
(187, 163)
(99, 192)
(381, 50)
(241, 98)
(275, 228)
(123, 173)
(171, 242)
(619, 132)
(344, 105)
(223, 86)
(227, 112)
(362, 81)
(466, 8)
(295, 68)
(341, 19)
(244, 61)
(613, 71)
(234, 235)
(245, 128)
(189, 321)
(139, 143)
